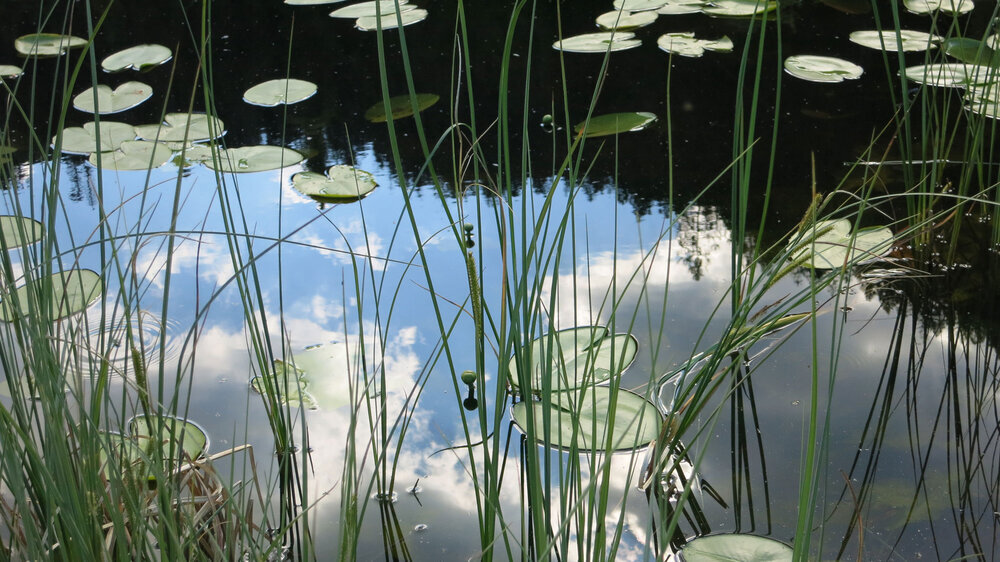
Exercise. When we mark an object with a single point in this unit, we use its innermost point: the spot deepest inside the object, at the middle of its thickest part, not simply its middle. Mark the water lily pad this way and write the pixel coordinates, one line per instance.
(289, 382)
(577, 357)
(907, 40)
(340, 184)
(738, 8)
(133, 155)
(955, 75)
(183, 127)
(984, 101)
(19, 231)
(85, 139)
(391, 20)
(600, 42)
(582, 418)
(625, 20)
(835, 245)
(185, 438)
(47, 44)
(140, 57)
(400, 107)
(68, 292)
(822, 69)
(10, 71)
(931, 6)
(615, 123)
(972, 51)
(314, 377)
(679, 7)
(735, 548)
(686, 45)
(246, 159)
(638, 5)
(371, 9)
(126, 96)
(310, 2)
(282, 90)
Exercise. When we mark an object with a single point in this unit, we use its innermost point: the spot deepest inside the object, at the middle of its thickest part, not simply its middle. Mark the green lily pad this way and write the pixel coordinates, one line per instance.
(600, 42)
(735, 548)
(984, 101)
(399, 107)
(70, 292)
(246, 159)
(371, 9)
(46, 44)
(194, 154)
(183, 127)
(289, 382)
(951, 75)
(310, 2)
(10, 71)
(907, 40)
(391, 21)
(835, 245)
(638, 5)
(686, 45)
(581, 418)
(133, 155)
(19, 231)
(679, 7)
(126, 96)
(972, 51)
(738, 8)
(615, 123)
(625, 20)
(282, 90)
(822, 69)
(314, 377)
(140, 57)
(993, 41)
(576, 357)
(931, 6)
(185, 438)
(85, 139)
(340, 184)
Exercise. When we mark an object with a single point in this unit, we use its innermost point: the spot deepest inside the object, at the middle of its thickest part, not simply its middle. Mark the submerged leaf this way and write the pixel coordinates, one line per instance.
(575, 358)
(65, 293)
(834, 245)
(282, 90)
(126, 96)
(625, 20)
(736, 548)
(615, 123)
(46, 44)
(822, 69)
(18, 231)
(582, 419)
(84, 140)
(399, 107)
(686, 45)
(600, 42)
(133, 155)
(340, 184)
(140, 57)
(391, 20)
(907, 40)
(288, 383)
(247, 159)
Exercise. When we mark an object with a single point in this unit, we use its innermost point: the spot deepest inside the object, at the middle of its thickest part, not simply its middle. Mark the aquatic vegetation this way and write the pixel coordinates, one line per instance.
(280, 91)
(93, 138)
(391, 20)
(614, 123)
(47, 44)
(400, 107)
(685, 44)
(574, 359)
(746, 548)
(340, 184)
(248, 159)
(183, 128)
(931, 6)
(133, 155)
(893, 41)
(10, 71)
(57, 296)
(139, 58)
(601, 42)
(16, 231)
(625, 20)
(103, 100)
(822, 69)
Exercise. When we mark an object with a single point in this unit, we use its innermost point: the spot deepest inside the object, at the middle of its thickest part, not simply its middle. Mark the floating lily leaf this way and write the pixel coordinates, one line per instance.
(822, 69)
(10, 71)
(834, 245)
(984, 101)
(19, 231)
(615, 123)
(735, 548)
(47, 44)
(185, 438)
(181, 127)
(391, 20)
(84, 140)
(310, 2)
(908, 40)
(577, 357)
(677, 7)
(126, 96)
(289, 382)
(686, 45)
(282, 90)
(400, 107)
(972, 51)
(601, 42)
(993, 41)
(340, 184)
(625, 20)
(371, 9)
(247, 159)
(951, 75)
(930, 6)
(638, 5)
(71, 292)
(140, 57)
(133, 155)
(739, 8)
(194, 154)
(581, 418)
(318, 377)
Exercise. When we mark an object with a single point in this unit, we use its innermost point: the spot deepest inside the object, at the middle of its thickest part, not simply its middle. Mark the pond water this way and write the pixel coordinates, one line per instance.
(908, 467)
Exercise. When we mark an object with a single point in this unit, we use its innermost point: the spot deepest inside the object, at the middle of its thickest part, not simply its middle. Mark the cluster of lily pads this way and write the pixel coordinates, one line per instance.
(373, 14)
